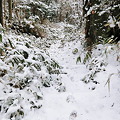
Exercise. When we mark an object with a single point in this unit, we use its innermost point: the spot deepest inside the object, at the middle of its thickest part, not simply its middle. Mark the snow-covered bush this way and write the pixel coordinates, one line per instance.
(42, 10)
(24, 71)
(1, 30)
(99, 61)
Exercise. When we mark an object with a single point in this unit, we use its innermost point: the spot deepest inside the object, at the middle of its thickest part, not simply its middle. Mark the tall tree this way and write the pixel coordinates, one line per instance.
(1, 12)
(4, 13)
(10, 10)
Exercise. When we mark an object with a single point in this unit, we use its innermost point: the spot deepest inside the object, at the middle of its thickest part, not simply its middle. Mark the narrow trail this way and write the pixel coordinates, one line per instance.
(78, 102)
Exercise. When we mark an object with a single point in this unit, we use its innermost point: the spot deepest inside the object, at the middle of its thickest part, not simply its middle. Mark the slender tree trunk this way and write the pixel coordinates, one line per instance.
(10, 10)
(1, 12)
(4, 13)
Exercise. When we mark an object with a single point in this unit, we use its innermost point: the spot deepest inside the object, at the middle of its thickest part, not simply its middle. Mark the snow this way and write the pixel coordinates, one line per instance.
(98, 104)
(118, 24)
(102, 12)
(79, 97)
(111, 22)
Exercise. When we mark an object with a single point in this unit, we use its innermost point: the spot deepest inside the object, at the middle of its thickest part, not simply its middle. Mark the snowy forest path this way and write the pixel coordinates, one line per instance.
(79, 101)
(70, 99)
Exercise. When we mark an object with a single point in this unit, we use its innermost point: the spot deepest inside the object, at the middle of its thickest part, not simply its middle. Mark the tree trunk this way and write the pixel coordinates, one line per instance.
(4, 13)
(1, 12)
(10, 10)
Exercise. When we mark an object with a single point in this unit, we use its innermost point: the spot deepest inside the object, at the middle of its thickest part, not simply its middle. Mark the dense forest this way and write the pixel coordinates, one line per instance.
(98, 17)
(59, 59)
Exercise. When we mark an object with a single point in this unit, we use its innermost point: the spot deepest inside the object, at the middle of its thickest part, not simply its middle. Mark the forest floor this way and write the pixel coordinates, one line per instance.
(90, 85)
(78, 100)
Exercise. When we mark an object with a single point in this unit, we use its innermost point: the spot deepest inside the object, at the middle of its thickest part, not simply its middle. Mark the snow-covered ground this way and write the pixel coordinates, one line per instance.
(90, 87)
(80, 101)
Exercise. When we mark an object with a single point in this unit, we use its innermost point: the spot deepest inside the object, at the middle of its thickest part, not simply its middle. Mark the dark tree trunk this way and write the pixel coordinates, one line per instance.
(10, 10)
(1, 12)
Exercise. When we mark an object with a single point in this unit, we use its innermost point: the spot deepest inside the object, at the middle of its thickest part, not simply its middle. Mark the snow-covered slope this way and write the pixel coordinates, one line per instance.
(81, 101)
(88, 87)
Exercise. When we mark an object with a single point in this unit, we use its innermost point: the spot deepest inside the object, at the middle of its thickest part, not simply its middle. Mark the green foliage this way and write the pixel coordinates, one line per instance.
(25, 69)
(19, 58)
(87, 57)
(43, 10)
(47, 2)
(78, 59)
(17, 114)
(10, 43)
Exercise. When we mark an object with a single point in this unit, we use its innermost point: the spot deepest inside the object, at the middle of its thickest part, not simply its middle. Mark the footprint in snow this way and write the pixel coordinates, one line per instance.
(70, 99)
(73, 115)
(62, 89)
